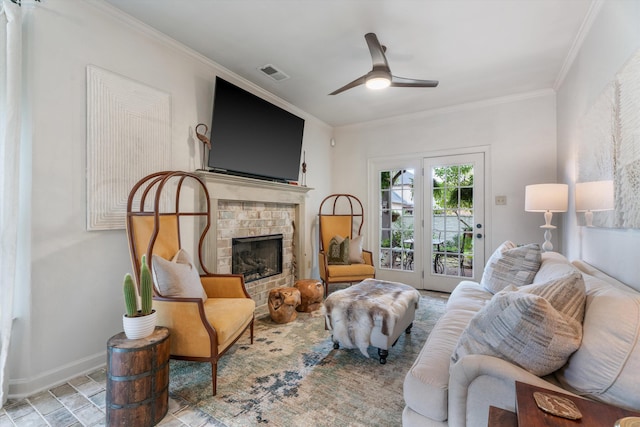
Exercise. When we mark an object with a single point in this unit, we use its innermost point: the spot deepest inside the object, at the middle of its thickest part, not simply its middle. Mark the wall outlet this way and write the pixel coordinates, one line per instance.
(501, 200)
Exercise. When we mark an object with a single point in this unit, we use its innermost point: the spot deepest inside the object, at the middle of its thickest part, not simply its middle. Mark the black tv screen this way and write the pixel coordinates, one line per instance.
(252, 137)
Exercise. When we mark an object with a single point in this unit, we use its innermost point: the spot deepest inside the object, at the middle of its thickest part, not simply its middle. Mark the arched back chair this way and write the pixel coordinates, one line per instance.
(341, 216)
(206, 313)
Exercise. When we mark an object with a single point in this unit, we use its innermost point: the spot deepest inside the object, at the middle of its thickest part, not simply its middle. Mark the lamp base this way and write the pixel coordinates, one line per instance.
(588, 218)
(547, 246)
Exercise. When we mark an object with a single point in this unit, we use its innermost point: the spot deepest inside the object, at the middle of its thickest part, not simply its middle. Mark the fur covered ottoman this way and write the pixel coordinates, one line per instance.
(373, 312)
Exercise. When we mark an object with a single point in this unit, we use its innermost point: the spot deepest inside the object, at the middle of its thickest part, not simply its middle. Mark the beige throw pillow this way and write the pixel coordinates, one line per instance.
(526, 329)
(355, 251)
(177, 278)
(338, 251)
(511, 265)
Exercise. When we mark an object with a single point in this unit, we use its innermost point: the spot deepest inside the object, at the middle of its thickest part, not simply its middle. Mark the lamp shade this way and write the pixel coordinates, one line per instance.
(546, 198)
(594, 196)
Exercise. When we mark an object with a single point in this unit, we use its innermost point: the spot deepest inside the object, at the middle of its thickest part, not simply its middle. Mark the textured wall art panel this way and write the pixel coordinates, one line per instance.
(128, 137)
(609, 146)
(627, 187)
(596, 147)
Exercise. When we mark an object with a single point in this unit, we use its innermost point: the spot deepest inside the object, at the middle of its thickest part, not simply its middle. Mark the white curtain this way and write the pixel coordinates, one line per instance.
(10, 126)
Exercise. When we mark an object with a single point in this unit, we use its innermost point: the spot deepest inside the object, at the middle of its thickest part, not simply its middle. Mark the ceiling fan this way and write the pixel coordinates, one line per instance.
(380, 76)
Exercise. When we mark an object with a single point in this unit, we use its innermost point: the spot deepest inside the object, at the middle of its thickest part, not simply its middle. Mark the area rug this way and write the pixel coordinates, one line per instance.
(292, 376)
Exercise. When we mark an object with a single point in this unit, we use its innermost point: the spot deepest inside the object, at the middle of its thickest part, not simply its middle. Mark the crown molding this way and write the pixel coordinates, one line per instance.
(508, 99)
(587, 23)
(218, 70)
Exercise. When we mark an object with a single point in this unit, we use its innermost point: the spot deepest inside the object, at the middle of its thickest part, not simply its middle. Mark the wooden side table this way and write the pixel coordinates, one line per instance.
(499, 417)
(138, 379)
(593, 413)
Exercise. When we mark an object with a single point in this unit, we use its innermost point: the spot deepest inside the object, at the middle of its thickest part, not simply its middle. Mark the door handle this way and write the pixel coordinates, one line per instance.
(479, 235)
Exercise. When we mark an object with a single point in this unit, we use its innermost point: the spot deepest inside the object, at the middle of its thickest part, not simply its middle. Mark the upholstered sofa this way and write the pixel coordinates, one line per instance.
(439, 391)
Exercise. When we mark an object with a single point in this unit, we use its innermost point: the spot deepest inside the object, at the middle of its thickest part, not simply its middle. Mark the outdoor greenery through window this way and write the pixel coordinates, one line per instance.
(452, 221)
(396, 219)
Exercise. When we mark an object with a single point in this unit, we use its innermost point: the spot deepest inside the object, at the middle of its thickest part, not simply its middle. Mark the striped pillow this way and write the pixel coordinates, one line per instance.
(536, 327)
(511, 265)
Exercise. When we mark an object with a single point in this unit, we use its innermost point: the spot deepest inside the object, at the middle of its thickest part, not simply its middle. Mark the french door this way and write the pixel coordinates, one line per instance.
(453, 220)
(397, 222)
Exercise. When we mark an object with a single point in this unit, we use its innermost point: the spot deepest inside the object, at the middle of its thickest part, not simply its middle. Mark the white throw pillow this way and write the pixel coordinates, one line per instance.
(177, 278)
(355, 251)
(526, 329)
(511, 265)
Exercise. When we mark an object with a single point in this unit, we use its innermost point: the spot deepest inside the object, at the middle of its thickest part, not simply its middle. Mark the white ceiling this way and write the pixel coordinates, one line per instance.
(477, 49)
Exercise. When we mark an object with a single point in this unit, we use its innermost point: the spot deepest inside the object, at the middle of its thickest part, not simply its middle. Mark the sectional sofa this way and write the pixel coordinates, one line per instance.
(462, 369)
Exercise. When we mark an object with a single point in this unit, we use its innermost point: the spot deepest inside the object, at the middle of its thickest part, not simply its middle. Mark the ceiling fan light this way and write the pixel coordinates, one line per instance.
(378, 83)
(378, 80)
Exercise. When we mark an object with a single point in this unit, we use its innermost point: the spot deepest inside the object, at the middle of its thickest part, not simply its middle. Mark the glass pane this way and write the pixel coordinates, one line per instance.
(396, 219)
(385, 258)
(452, 220)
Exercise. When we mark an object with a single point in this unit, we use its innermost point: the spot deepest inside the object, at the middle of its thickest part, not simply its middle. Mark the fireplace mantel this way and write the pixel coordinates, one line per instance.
(236, 188)
(230, 187)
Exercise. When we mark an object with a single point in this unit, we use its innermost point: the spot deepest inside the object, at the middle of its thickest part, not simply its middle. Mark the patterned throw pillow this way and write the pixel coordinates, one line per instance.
(338, 251)
(511, 265)
(536, 328)
(177, 278)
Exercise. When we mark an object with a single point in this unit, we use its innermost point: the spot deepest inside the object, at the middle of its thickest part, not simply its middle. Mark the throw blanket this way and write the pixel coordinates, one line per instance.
(351, 313)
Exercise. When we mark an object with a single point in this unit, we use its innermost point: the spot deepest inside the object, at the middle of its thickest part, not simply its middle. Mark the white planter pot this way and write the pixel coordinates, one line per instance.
(139, 327)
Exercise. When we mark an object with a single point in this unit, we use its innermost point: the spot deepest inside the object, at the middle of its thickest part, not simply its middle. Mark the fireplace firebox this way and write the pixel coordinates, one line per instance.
(257, 257)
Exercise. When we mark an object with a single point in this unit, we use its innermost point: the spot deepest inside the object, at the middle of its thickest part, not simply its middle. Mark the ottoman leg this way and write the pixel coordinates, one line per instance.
(408, 330)
(383, 355)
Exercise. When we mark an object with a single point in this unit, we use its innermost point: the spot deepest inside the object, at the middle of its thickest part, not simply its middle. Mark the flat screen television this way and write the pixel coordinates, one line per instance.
(252, 137)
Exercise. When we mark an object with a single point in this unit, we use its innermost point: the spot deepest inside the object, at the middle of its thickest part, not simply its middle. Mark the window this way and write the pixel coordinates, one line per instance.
(396, 241)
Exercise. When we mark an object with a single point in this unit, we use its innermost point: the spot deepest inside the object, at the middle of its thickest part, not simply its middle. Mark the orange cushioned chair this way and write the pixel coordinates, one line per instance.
(205, 313)
(342, 215)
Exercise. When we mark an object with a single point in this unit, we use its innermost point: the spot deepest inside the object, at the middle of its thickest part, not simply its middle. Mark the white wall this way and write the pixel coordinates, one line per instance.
(519, 131)
(614, 36)
(71, 303)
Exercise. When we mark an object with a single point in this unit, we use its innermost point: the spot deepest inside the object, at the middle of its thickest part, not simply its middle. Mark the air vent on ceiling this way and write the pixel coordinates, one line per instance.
(271, 71)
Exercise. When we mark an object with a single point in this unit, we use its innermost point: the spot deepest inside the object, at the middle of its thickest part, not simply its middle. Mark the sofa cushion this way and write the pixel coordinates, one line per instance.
(535, 327)
(177, 278)
(426, 385)
(606, 367)
(553, 265)
(468, 295)
(511, 265)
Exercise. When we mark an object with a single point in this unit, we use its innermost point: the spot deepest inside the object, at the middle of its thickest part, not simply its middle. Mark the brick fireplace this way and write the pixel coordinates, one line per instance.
(245, 207)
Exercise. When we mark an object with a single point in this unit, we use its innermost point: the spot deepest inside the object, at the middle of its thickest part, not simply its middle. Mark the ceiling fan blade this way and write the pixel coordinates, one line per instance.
(404, 82)
(377, 52)
(357, 82)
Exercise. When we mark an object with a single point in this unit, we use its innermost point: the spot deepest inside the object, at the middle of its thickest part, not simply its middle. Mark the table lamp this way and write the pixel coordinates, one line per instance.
(594, 196)
(547, 198)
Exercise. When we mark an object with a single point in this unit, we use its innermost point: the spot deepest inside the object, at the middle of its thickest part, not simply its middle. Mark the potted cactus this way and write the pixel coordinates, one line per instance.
(139, 323)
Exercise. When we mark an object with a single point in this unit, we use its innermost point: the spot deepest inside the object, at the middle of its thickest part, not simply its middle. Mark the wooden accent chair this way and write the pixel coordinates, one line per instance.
(342, 215)
(202, 328)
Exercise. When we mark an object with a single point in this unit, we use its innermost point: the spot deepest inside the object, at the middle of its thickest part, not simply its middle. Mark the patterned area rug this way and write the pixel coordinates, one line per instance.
(292, 376)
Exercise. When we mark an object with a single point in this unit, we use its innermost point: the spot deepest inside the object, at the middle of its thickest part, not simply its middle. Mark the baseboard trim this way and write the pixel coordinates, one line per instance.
(24, 387)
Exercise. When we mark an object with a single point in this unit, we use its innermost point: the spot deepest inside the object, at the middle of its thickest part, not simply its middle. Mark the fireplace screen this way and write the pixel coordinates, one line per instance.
(257, 257)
